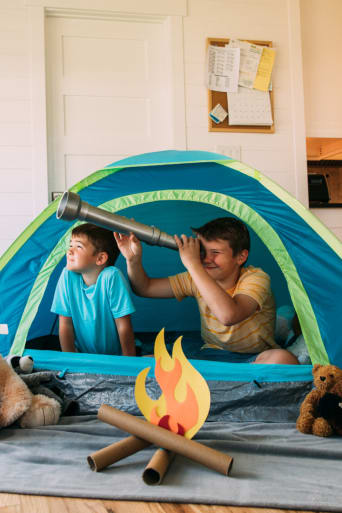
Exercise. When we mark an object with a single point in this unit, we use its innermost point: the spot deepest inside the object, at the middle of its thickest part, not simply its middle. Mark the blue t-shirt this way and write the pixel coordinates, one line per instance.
(94, 308)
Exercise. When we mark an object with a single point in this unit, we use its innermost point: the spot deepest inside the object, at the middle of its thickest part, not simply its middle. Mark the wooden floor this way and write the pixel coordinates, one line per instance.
(12, 503)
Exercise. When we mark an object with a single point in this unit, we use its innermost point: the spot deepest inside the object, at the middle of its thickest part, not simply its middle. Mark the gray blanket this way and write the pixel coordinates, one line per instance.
(274, 466)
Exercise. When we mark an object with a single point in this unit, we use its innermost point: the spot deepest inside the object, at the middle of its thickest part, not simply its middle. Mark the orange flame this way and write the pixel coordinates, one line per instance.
(181, 415)
(184, 403)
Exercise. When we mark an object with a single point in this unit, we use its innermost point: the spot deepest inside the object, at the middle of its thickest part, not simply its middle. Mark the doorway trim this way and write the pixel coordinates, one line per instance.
(169, 12)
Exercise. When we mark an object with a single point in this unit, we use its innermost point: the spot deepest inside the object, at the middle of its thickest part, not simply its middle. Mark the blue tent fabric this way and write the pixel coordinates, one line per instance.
(131, 366)
(167, 156)
(173, 176)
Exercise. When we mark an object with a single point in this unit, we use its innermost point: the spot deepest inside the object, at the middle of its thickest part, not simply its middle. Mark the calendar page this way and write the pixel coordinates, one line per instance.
(249, 107)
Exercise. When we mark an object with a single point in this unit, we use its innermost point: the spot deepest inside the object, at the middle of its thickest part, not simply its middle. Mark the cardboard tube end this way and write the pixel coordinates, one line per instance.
(91, 463)
(229, 466)
(151, 476)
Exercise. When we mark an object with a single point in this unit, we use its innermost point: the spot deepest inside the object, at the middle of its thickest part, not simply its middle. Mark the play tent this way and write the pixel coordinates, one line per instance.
(175, 190)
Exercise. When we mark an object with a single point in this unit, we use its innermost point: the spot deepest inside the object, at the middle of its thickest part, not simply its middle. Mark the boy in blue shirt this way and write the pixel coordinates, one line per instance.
(92, 297)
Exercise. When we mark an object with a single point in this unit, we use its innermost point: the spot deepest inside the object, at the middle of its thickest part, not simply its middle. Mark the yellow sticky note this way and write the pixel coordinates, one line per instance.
(264, 72)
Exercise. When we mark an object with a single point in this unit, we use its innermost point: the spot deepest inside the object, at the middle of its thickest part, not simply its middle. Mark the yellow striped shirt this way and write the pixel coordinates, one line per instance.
(254, 334)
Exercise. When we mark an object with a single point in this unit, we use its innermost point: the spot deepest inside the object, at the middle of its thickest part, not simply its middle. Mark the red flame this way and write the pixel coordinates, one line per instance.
(165, 423)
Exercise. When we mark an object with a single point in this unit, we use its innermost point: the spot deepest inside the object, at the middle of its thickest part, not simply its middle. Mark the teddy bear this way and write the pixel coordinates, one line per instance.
(18, 403)
(320, 413)
(330, 407)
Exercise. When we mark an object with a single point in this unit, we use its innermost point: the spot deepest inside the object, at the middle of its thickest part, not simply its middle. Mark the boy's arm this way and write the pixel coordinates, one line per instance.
(141, 283)
(126, 335)
(228, 310)
(67, 334)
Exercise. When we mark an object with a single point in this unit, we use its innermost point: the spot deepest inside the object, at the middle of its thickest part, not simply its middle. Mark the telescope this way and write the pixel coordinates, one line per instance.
(71, 207)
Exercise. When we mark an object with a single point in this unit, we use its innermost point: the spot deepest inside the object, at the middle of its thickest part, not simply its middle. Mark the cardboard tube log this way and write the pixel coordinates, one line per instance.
(116, 452)
(166, 439)
(71, 207)
(156, 468)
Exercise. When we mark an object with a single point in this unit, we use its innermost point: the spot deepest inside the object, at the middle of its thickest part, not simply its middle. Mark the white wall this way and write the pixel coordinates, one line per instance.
(322, 66)
(281, 156)
(16, 198)
(322, 75)
(276, 154)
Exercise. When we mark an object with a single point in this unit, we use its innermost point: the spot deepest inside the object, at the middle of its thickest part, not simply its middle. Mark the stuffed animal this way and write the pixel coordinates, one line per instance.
(319, 412)
(18, 403)
(330, 408)
(21, 364)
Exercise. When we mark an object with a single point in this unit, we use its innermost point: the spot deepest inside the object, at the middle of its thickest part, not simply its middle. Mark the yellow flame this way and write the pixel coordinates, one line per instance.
(189, 377)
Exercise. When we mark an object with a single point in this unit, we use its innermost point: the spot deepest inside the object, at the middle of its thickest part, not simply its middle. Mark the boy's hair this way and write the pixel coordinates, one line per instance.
(227, 228)
(101, 239)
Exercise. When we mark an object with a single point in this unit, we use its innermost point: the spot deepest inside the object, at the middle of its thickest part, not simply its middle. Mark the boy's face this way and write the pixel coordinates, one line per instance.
(81, 255)
(218, 259)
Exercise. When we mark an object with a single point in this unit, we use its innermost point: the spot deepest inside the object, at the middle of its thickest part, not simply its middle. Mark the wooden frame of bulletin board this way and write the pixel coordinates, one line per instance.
(215, 97)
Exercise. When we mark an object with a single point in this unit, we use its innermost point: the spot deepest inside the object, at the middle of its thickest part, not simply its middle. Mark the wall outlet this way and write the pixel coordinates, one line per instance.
(55, 195)
(233, 152)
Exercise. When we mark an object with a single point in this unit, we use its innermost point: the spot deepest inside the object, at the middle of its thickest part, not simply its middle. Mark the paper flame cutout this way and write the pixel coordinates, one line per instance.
(184, 403)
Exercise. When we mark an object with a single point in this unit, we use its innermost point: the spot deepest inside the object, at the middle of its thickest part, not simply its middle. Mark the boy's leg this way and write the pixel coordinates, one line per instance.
(280, 356)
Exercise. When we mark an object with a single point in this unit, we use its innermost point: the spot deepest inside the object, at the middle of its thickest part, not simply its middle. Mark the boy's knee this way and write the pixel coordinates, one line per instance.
(278, 356)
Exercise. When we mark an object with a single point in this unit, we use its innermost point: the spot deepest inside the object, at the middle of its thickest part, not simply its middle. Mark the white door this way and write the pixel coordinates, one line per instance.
(109, 94)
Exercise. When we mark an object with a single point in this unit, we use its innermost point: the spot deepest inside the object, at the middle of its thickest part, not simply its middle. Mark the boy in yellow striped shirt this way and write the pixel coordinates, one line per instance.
(236, 304)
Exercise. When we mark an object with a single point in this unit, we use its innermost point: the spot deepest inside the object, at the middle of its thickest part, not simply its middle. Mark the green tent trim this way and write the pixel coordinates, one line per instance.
(313, 221)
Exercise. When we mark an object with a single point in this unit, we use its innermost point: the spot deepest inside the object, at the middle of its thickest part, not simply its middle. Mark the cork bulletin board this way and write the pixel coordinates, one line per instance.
(215, 97)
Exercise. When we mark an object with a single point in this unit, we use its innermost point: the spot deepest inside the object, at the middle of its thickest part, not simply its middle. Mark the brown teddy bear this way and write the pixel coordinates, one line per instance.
(320, 408)
(330, 407)
(17, 403)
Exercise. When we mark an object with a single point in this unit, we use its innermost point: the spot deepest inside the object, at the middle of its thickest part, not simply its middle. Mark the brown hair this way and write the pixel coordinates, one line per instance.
(227, 228)
(101, 239)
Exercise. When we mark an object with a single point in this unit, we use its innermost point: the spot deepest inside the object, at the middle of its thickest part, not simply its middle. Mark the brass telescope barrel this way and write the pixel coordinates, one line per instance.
(71, 207)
